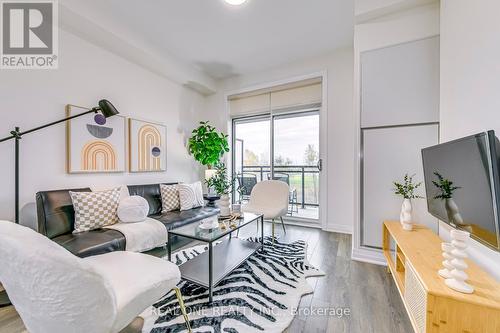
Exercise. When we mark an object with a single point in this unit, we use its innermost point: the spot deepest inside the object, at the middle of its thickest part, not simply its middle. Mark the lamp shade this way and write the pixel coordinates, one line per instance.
(107, 109)
(209, 173)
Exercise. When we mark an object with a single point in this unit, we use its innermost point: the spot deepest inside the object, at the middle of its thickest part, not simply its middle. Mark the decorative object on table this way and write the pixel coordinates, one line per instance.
(224, 205)
(248, 277)
(211, 198)
(448, 257)
(169, 198)
(94, 210)
(236, 208)
(407, 191)
(94, 143)
(147, 146)
(209, 223)
(230, 220)
(458, 278)
(133, 209)
(446, 190)
(190, 195)
(223, 186)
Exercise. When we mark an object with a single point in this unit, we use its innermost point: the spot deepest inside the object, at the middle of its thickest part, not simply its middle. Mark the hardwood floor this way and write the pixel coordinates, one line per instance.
(364, 290)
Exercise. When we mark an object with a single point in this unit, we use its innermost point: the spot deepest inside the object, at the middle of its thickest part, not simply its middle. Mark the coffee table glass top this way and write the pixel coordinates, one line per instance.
(194, 231)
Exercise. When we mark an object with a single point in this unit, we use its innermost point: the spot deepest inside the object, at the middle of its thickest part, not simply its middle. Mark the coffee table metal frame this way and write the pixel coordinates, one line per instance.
(230, 254)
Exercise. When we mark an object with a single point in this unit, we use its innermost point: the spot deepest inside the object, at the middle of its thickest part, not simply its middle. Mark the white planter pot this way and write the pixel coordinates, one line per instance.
(405, 217)
(224, 205)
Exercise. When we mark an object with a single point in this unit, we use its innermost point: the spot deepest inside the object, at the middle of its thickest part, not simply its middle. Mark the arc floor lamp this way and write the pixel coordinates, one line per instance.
(104, 106)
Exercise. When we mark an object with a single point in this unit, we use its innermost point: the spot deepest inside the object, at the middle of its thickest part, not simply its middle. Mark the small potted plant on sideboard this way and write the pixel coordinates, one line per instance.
(407, 189)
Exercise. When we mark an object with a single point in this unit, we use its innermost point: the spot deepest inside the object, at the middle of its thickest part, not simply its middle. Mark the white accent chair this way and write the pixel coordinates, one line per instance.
(270, 198)
(55, 291)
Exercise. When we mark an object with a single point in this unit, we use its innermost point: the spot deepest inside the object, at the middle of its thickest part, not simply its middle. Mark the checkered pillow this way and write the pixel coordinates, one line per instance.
(169, 198)
(94, 210)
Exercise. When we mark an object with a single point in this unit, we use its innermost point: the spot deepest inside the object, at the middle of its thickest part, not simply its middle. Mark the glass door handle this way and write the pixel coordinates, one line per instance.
(320, 164)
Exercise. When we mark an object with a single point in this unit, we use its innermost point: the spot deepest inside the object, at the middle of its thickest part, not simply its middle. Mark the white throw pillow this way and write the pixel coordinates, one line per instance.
(94, 210)
(169, 198)
(133, 209)
(190, 195)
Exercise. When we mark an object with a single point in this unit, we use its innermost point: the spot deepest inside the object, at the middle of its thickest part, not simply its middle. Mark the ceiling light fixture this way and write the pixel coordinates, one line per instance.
(235, 2)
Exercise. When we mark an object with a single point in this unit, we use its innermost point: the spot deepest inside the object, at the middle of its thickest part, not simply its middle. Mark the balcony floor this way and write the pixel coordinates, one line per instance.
(309, 212)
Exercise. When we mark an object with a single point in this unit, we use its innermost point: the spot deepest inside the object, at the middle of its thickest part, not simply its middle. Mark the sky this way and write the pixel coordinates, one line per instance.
(292, 135)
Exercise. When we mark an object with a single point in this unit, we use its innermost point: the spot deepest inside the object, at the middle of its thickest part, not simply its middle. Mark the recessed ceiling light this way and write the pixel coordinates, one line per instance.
(235, 2)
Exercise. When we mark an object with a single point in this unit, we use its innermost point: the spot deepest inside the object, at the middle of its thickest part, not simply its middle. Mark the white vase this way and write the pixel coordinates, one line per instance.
(224, 205)
(405, 217)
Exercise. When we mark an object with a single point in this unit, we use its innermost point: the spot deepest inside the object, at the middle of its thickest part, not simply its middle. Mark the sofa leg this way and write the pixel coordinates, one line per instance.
(183, 307)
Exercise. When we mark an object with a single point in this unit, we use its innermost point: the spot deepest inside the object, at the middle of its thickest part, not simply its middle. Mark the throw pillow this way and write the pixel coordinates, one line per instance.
(93, 210)
(190, 195)
(169, 198)
(133, 209)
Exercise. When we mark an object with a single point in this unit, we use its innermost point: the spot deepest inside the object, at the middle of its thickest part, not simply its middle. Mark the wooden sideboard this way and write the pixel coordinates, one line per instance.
(414, 258)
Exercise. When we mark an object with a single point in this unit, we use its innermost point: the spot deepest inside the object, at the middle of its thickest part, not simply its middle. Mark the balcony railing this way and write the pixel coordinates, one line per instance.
(302, 178)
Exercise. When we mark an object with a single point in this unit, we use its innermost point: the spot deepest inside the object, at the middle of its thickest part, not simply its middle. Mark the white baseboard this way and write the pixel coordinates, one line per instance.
(339, 228)
(372, 256)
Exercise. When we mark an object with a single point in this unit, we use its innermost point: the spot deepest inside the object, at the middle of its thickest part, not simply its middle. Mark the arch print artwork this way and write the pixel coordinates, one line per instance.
(95, 143)
(147, 146)
(98, 155)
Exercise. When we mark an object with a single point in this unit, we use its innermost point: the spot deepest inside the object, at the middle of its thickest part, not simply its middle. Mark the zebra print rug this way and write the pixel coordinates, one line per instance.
(261, 295)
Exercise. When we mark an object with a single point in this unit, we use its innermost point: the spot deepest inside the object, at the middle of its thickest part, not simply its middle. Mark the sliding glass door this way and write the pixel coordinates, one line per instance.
(283, 147)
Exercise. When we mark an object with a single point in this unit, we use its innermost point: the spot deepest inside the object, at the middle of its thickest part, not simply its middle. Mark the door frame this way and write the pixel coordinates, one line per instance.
(323, 137)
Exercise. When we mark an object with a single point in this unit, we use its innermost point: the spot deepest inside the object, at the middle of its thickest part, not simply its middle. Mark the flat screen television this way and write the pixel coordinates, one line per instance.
(462, 185)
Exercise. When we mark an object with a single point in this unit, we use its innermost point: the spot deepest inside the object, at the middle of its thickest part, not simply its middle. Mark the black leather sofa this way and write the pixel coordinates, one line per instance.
(56, 218)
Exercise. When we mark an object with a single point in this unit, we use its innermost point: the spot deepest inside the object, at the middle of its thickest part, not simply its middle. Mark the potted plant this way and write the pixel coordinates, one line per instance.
(223, 186)
(207, 145)
(446, 189)
(407, 191)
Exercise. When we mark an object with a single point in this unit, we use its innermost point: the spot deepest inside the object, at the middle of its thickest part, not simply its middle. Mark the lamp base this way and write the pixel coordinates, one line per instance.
(4, 299)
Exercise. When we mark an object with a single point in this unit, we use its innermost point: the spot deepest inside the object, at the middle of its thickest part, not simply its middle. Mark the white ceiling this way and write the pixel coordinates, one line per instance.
(224, 40)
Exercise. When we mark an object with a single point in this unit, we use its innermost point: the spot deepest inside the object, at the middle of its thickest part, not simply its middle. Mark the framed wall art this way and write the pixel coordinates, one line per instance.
(147, 146)
(95, 144)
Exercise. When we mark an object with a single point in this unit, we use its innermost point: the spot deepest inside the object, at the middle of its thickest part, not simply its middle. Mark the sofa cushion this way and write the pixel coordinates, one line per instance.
(176, 219)
(150, 192)
(93, 242)
(94, 210)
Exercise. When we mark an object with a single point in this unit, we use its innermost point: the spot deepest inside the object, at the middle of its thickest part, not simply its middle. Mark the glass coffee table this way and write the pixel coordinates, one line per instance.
(210, 267)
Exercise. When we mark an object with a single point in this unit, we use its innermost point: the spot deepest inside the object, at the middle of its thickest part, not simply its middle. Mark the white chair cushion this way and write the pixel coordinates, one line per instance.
(190, 195)
(269, 212)
(133, 209)
(136, 279)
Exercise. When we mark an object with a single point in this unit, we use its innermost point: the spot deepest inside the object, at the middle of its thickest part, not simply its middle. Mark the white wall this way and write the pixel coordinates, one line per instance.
(403, 26)
(470, 83)
(86, 74)
(340, 127)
